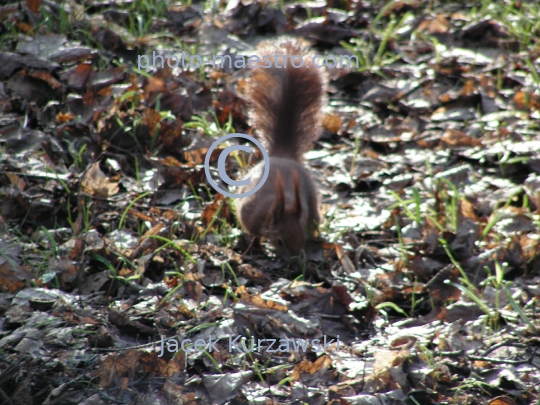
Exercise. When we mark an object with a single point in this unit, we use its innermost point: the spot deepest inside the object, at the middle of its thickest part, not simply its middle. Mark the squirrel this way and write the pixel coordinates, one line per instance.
(286, 111)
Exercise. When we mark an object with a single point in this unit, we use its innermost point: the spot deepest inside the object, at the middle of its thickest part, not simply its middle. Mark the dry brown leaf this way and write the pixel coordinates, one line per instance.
(170, 161)
(251, 273)
(257, 301)
(526, 101)
(242, 291)
(150, 119)
(229, 104)
(139, 215)
(175, 392)
(370, 153)
(454, 137)
(438, 289)
(386, 368)
(217, 75)
(403, 341)
(196, 157)
(80, 75)
(115, 366)
(350, 124)
(459, 16)
(467, 210)
(332, 122)
(73, 318)
(77, 250)
(343, 295)
(439, 25)
(64, 117)
(12, 278)
(347, 263)
(529, 245)
(154, 230)
(107, 91)
(219, 205)
(170, 215)
(97, 184)
(18, 182)
(33, 5)
(172, 281)
(321, 365)
(171, 135)
(124, 383)
(194, 289)
(400, 7)
(47, 78)
(68, 272)
(132, 363)
(154, 84)
(88, 320)
(470, 87)
(161, 367)
(26, 28)
(502, 401)
(445, 98)
(386, 359)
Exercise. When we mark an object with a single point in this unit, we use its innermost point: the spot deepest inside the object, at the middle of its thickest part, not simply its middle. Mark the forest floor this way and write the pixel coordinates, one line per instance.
(424, 286)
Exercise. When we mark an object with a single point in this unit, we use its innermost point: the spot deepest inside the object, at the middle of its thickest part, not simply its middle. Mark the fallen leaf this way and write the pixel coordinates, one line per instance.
(97, 184)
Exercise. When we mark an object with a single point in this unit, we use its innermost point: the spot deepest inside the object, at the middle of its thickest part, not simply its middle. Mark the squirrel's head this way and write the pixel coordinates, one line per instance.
(286, 231)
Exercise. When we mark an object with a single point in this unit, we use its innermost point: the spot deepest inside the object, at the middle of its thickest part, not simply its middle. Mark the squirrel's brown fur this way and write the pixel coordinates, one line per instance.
(286, 114)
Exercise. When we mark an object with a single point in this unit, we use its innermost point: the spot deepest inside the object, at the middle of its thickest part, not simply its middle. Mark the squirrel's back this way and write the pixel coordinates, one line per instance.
(287, 99)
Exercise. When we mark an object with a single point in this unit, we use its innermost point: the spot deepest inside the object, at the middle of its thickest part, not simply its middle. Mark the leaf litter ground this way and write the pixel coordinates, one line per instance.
(428, 264)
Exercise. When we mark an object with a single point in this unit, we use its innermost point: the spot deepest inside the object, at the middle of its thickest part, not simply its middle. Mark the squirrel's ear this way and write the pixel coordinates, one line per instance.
(278, 209)
(297, 206)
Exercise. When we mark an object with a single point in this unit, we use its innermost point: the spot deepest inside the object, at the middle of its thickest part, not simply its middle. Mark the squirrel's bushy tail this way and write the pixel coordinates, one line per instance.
(287, 101)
